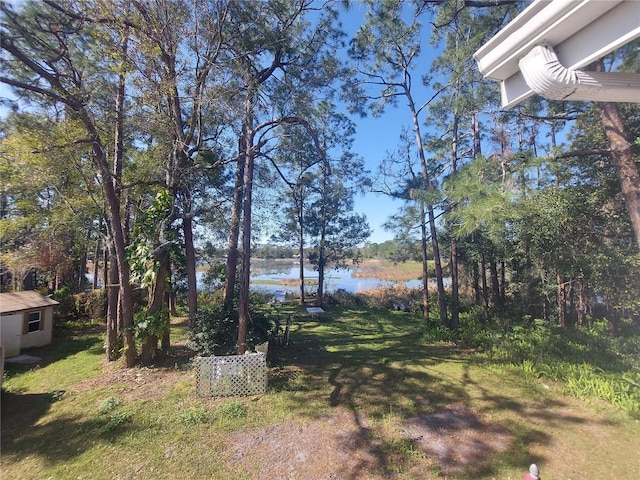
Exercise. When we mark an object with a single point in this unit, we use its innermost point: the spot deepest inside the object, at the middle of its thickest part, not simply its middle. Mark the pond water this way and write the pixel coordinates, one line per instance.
(269, 278)
(333, 280)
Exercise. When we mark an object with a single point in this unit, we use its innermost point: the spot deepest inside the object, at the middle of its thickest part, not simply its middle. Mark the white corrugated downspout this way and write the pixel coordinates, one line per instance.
(546, 76)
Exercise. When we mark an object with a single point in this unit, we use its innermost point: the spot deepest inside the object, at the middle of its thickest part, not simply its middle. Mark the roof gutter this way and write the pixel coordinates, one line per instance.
(546, 76)
(580, 32)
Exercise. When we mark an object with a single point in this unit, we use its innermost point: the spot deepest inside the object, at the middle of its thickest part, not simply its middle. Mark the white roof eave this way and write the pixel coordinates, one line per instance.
(580, 32)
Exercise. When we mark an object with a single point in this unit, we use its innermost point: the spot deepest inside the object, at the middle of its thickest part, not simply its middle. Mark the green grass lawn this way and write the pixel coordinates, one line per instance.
(74, 416)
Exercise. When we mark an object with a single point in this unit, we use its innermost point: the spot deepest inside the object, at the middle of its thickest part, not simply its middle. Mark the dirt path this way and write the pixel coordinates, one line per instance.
(345, 446)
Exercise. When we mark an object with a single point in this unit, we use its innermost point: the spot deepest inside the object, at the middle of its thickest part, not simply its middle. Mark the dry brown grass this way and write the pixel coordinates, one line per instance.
(388, 270)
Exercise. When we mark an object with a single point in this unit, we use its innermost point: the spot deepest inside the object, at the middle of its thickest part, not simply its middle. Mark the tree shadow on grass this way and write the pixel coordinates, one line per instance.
(530, 406)
(366, 364)
(57, 440)
(377, 367)
(179, 357)
(22, 411)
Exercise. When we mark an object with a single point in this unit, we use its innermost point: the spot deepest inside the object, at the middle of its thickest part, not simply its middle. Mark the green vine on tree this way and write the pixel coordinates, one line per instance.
(153, 239)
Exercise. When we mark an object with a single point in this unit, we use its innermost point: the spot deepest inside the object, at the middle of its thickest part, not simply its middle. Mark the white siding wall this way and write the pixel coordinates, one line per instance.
(10, 333)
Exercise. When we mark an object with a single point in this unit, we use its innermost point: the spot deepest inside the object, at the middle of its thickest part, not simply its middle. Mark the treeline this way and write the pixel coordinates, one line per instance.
(392, 250)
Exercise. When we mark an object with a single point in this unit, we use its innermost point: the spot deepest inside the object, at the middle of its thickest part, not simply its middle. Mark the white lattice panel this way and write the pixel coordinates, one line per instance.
(233, 375)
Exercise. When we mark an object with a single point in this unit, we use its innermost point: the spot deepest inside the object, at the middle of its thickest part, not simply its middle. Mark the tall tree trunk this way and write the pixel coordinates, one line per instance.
(96, 264)
(562, 301)
(301, 249)
(122, 269)
(82, 270)
(234, 227)
(476, 283)
(321, 264)
(582, 301)
(455, 309)
(503, 283)
(425, 270)
(113, 190)
(246, 148)
(108, 263)
(190, 253)
(495, 283)
(243, 300)
(324, 221)
(110, 266)
(442, 306)
(157, 306)
(125, 312)
(321, 260)
(455, 316)
(622, 158)
(171, 294)
(571, 310)
(485, 288)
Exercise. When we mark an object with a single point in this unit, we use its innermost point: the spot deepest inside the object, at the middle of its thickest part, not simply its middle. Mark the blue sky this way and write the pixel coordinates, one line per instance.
(376, 137)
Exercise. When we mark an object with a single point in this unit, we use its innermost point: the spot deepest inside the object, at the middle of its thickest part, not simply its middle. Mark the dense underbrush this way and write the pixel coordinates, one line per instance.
(216, 329)
(587, 359)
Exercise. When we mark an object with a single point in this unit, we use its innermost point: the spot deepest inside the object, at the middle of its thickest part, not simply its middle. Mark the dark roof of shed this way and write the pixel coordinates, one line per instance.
(18, 301)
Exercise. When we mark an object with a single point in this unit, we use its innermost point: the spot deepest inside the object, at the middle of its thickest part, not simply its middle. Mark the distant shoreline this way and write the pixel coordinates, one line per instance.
(370, 268)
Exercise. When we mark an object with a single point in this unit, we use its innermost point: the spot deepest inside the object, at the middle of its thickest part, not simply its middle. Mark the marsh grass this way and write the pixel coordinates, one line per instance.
(391, 271)
(373, 363)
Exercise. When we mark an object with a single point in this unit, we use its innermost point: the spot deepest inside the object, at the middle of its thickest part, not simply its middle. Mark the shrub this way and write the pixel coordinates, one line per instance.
(216, 330)
(435, 332)
(394, 298)
(587, 359)
(81, 306)
(92, 305)
(194, 416)
(345, 299)
(117, 419)
(233, 410)
(473, 333)
(109, 404)
(629, 349)
(66, 310)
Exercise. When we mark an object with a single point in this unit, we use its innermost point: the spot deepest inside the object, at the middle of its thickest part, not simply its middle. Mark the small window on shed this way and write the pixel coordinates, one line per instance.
(34, 321)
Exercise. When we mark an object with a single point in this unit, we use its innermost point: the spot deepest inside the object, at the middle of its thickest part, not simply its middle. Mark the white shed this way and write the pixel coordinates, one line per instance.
(26, 320)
